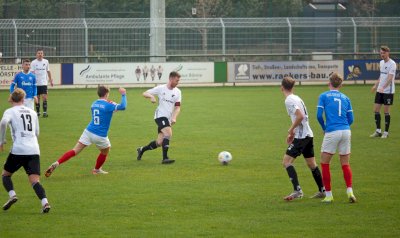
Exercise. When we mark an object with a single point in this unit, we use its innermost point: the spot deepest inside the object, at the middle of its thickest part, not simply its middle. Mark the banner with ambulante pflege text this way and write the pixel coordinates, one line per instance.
(139, 73)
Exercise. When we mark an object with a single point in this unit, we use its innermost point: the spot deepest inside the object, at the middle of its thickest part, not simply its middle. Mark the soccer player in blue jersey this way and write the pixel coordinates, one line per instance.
(338, 118)
(97, 130)
(26, 81)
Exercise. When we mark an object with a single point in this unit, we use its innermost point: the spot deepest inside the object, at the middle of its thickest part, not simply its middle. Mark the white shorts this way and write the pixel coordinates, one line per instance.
(88, 138)
(29, 103)
(340, 140)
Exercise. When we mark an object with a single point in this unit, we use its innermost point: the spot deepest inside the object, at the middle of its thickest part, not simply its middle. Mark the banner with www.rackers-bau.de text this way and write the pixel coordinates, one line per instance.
(276, 71)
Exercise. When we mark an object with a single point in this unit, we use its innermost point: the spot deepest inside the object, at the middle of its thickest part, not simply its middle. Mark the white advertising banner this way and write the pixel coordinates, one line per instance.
(276, 71)
(138, 73)
(8, 71)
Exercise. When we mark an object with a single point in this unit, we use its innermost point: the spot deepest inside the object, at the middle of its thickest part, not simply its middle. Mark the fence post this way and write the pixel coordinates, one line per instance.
(290, 39)
(86, 41)
(223, 39)
(15, 40)
(157, 31)
(355, 38)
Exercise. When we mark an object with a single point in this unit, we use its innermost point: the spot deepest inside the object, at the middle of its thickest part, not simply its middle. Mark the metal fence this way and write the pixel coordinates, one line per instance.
(197, 39)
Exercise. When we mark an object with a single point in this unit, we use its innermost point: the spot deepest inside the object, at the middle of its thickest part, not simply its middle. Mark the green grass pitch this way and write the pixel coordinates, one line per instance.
(196, 196)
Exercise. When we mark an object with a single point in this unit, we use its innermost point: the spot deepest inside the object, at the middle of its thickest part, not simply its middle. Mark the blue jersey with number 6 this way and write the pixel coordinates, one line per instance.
(338, 111)
(102, 111)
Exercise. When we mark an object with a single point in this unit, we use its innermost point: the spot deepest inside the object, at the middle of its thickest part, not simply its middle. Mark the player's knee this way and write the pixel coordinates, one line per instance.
(311, 163)
(286, 163)
(159, 142)
(33, 180)
(167, 133)
(6, 173)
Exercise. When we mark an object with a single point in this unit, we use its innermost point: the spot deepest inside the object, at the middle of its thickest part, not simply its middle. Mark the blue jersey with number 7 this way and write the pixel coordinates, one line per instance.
(338, 111)
(102, 111)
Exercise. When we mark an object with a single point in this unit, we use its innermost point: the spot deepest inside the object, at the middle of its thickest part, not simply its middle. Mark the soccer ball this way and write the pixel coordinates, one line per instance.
(224, 157)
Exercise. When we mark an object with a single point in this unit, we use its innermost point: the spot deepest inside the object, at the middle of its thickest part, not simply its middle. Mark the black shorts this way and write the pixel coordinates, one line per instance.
(42, 89)
(30, 163)
(162, 122)
(384, 98)
(301, 146)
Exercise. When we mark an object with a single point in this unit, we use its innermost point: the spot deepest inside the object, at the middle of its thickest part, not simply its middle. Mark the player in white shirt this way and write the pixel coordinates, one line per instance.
(169, 102)
(40, 67)
(384, 88)
(25, 149)
(300, 141)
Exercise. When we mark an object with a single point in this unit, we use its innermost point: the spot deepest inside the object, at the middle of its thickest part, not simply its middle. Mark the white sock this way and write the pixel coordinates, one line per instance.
(385, 132)
(44, 201)
(379, 130)
(328, 193)
(349, 190)
(12, 193)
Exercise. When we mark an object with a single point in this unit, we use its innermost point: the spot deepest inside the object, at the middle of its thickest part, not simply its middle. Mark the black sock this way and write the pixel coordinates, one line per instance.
(318, 179)
(7, 183)
(37, 107)
(39, 190)
(151, 146)
(378, 120)
(165, 146)
(387, 121)
(44, 107)
(293, 177)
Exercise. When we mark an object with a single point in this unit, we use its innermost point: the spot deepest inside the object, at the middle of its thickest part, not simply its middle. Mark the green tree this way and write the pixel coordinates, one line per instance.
(117, 8)
(204, 8)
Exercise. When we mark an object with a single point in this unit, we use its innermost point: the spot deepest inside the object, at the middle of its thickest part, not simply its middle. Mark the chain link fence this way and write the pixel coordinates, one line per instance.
(198, 39)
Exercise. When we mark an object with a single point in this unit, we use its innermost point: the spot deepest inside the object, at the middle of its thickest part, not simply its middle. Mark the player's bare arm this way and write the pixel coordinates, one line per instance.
(3, 129)
(175, 114)
(296, 123)
(50, 78)
(373, 89)
(149, 95)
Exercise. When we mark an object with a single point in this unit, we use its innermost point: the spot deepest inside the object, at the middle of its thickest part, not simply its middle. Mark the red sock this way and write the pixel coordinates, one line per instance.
(68, 155)
(326, 176)
(347, 174)
(100, 160)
